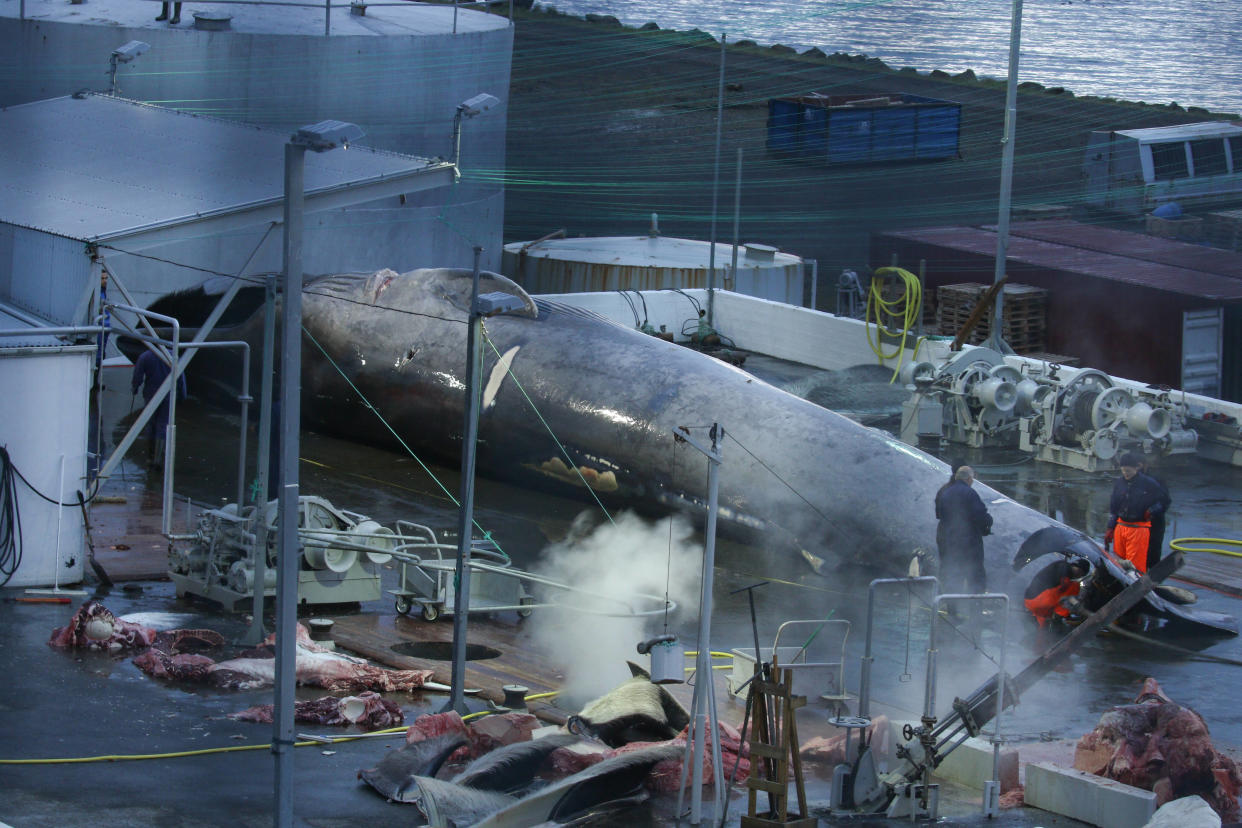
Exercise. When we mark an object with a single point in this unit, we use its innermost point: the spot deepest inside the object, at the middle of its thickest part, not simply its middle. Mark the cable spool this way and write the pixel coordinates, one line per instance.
(380, 538)
(1031, 397)
(320, 554)
(1145, 421)
(918, 374)
(996, 393)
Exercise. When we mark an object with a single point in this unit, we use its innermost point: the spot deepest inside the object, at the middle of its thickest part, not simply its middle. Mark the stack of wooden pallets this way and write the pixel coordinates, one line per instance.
(1224, 229)
(1025, 314)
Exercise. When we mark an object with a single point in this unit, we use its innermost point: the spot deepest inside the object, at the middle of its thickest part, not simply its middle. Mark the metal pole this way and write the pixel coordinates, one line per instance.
(256, 632)
(288, 555)
(737, 214)
(864, 687)
(327, 17)
(996, 340)
(711, 254)
(703, 663)
(465, 523)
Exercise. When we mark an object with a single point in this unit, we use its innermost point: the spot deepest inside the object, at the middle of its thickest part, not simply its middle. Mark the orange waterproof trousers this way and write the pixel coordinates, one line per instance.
(1130, 542)
(1043, 605)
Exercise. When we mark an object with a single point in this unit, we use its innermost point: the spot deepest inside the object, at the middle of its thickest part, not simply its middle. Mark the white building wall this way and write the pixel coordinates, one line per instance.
(43, 417)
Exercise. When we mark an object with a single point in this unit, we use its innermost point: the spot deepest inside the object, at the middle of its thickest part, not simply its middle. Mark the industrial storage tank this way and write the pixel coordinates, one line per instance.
(653, 262)
(398, 70)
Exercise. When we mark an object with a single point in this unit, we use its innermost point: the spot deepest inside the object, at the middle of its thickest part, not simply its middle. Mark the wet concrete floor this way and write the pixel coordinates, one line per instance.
(79, 705)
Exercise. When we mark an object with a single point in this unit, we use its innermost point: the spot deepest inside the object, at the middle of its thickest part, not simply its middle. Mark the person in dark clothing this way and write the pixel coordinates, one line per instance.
(1051, 589)
(1135, 499)
(964, 520)
(1155, 544)
(150, 371)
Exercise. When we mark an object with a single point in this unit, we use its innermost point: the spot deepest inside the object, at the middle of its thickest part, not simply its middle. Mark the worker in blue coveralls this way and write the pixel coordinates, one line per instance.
(964, 520)
(150, 371)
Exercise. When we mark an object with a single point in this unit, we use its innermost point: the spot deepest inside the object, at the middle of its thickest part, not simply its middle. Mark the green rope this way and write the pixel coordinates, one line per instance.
(570, 461)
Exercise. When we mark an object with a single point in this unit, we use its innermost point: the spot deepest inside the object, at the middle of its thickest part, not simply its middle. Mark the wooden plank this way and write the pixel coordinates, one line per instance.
(767, 786)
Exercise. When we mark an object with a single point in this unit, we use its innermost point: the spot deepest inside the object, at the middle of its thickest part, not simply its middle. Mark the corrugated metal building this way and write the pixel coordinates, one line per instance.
(1152, 309)
(99, 181)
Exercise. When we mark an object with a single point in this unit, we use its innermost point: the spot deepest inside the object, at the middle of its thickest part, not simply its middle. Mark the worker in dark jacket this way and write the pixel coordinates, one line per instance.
(1155, 545)
(150, 371)
(964, 520)
(1136, 498)
(1051, 591)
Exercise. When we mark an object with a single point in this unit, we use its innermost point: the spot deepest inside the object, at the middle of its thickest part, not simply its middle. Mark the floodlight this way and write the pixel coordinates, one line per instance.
(478, 104)
(131, 50)
(327, 135)
(492, 304)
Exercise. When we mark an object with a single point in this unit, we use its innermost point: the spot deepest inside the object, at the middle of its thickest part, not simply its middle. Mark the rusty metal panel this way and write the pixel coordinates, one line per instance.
(1133, 246)
(1039, 255)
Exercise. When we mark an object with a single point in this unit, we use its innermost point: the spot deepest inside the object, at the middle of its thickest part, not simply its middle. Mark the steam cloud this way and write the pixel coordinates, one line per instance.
(624, 561)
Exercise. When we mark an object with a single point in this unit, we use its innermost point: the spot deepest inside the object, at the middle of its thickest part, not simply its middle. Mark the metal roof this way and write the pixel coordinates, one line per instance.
(1065, 258)
(1183, 132)
(99, 168)
(653, 251)
(1133, 245)
(26, 333)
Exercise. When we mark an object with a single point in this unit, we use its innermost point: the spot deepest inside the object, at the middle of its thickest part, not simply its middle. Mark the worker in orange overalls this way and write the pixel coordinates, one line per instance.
(1051, 589)
(1136, 498)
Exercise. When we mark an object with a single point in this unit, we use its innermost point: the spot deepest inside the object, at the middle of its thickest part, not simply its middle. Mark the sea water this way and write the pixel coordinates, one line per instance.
(1157, 51)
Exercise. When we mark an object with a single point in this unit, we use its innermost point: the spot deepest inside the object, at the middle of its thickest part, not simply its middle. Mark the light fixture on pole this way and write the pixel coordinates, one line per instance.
(468, 109)
(123, 54)
(320, 137)
(489, 304)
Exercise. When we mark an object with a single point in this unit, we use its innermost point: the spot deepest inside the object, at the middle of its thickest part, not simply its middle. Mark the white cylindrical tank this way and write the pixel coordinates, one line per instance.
(651, 263)
(398, 71)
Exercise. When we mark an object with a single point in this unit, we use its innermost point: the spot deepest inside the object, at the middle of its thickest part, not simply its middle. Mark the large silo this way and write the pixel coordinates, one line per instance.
(398, 70)
(653, 262)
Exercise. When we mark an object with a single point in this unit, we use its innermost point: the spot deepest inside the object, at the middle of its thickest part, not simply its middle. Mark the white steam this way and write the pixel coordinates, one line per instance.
(628, 563)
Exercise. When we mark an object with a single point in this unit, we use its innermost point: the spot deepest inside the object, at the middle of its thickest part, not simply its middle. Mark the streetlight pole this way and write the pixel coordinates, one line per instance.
(996, 339)
(320, 137)
(480, 306)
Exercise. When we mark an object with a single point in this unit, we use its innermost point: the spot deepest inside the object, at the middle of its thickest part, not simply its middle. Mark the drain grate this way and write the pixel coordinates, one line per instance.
(443, 650)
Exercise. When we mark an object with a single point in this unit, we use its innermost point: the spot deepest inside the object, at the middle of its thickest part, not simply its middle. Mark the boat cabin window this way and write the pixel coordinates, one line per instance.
(1208, 155)
(1235, 149)
(1169, 161)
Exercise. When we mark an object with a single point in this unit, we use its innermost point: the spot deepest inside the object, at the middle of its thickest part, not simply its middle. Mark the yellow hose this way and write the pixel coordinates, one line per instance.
(714, 654)
(1179, 544)
(904, 310)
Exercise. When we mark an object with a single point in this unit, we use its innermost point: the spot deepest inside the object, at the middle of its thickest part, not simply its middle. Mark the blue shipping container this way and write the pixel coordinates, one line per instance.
(837, 129)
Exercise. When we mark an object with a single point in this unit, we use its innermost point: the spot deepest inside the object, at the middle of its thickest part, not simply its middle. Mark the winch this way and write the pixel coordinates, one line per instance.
(341, 554)
(1080, 420)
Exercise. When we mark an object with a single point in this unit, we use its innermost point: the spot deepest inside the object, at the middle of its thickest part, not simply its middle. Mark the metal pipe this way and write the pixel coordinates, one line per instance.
(465, 522)
(703, 695)
(711, 255)
(327, 18)
(864, 686)
(737, 214)
(996, 340)
(256, 633)
(287, 503)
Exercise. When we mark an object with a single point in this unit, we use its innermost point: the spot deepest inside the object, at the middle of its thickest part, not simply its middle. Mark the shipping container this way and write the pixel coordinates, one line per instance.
(866, 128)
(1133, 171)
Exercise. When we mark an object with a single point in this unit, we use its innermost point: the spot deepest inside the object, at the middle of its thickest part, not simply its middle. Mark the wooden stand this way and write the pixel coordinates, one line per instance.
(773, 749)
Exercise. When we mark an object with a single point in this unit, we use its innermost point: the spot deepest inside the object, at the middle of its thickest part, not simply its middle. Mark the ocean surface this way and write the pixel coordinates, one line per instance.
(1157, 51)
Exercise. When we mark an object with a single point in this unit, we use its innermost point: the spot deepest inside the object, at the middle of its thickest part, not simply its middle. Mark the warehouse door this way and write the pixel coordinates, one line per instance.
(1201, 351)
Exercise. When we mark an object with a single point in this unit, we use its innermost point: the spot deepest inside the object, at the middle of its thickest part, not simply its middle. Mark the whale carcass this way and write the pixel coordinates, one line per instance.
(571, 400)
